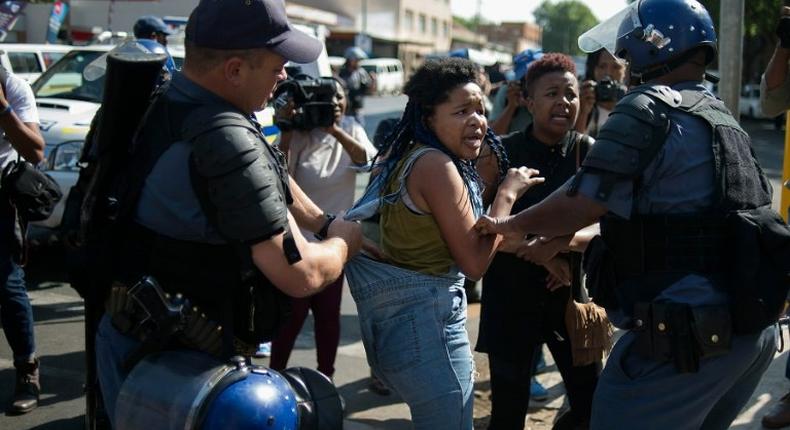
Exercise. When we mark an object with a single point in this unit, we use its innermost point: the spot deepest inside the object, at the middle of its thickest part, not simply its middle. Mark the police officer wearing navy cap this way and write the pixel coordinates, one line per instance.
(212, 212)
(670, 177)
(152, 27)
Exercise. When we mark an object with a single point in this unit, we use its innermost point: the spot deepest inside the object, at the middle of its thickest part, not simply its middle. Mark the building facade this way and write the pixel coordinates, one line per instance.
(404, 29)
(515, 36)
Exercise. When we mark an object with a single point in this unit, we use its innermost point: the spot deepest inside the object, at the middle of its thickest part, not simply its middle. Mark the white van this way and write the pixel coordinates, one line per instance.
(387, 72)
(29, 60)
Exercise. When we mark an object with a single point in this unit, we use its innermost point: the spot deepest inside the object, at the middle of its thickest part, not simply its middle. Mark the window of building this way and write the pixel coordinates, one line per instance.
(445, 29)
(423, 23)
(409, 20)
(434, 27)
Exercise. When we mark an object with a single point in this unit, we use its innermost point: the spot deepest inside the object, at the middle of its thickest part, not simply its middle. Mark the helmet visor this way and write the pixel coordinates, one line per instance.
(605, 34)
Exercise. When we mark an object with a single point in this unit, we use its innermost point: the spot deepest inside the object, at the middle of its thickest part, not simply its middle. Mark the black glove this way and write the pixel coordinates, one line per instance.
(783, 31)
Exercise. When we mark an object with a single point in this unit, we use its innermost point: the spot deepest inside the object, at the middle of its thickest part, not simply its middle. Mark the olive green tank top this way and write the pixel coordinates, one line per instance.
(411, 240)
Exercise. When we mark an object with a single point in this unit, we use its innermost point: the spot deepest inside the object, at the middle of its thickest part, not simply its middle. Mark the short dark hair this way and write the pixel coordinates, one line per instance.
(550, 63)
(203, 59)
(432, 83)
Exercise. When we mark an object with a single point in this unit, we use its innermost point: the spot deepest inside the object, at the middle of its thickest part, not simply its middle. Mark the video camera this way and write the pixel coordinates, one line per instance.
(608, 90)
(312, 99)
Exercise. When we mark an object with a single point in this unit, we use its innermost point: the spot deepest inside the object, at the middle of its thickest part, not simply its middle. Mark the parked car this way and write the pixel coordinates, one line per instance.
(29, 60)
(750, 102)
(387, 72)
(66, 105)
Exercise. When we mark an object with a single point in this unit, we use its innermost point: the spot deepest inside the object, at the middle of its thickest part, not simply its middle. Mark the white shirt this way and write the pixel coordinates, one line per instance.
(20, 97)
(323, 169)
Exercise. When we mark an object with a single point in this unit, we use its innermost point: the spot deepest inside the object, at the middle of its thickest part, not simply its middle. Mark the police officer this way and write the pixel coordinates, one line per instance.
(357, 80)
(653, 182)
(212, 212)
(152, 27)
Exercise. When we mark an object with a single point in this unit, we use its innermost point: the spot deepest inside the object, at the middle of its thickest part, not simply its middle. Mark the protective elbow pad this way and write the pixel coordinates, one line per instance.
(242, 183)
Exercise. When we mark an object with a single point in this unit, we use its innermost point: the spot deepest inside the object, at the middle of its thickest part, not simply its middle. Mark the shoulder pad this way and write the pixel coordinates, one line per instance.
(223, 149)
(240, 179)
(646, 107)
(635, 131)
(661, 92)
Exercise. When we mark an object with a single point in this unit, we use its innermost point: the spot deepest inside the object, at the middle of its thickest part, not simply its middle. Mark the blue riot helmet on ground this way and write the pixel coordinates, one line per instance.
(257, 399)
(191, 390)
(654, 36)
(157, 48)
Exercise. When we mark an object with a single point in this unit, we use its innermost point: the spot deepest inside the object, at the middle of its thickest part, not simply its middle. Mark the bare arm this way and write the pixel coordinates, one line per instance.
(557, 215)
(321, 264)
(25, 137)
(501, 124)
(540, 250)
(354, 148)
(436, 187)
(305, 212)
(776, 72)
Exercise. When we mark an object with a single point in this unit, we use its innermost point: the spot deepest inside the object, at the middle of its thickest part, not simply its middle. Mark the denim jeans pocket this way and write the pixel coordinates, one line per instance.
(396, 342)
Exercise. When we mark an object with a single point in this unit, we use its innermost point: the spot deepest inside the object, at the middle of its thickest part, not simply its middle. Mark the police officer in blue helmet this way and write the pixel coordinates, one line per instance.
(683, 208)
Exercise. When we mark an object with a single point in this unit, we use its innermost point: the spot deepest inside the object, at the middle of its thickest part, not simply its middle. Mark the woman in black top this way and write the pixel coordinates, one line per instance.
(523, 303)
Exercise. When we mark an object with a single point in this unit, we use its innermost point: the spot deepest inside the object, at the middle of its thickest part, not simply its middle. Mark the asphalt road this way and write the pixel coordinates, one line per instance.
(58, 313)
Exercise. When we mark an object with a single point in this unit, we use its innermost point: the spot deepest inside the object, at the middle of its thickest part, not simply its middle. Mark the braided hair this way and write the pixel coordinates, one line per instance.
(428, 87)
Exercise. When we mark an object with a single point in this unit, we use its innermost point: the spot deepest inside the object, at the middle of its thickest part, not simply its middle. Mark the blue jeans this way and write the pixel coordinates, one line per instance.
(16, 314)
(637, 392)
(414, 333)
(112, 348)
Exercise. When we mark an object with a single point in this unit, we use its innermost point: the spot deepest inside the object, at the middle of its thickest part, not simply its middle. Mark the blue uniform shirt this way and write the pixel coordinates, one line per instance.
(168, 205)
(679, 180)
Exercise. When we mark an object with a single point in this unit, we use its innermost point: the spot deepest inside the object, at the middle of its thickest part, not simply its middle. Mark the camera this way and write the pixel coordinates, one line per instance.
(609, 90)
(313, 102)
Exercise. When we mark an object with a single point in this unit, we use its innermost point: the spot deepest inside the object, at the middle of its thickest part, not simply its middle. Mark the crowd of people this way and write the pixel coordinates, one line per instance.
(581, 202)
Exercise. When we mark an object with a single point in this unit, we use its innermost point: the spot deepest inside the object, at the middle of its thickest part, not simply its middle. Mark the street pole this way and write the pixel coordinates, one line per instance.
(731, 53)
(364, 16)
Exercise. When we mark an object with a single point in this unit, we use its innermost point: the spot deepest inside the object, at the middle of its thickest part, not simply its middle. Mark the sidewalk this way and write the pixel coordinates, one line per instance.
(367, 410)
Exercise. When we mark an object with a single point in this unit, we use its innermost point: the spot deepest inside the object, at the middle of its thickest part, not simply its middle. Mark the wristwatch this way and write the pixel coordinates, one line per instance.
(321, 235)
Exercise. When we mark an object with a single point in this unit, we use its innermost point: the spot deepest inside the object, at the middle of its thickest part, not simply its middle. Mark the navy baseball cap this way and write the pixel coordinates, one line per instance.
(149, 24)
(249, 24)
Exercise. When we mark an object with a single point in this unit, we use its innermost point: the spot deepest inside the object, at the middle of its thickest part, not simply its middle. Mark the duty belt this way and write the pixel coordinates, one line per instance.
(159, 320)
(682, 334)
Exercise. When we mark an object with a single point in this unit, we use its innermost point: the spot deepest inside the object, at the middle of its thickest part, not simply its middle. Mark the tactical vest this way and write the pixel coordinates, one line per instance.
(220, 279)
(726, 243)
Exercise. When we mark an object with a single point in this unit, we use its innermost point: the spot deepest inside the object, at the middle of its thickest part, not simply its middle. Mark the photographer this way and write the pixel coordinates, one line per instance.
(602, 88)
(509, 112)
(324, 162)
(20, 125)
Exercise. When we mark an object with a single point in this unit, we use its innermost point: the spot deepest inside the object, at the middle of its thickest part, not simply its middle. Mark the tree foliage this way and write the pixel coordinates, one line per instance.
(563, 22)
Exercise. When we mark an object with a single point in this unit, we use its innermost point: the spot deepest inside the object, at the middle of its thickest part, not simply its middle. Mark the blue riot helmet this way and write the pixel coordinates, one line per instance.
(191, 390)
(260, 399)
(654, 36)
(157, 48)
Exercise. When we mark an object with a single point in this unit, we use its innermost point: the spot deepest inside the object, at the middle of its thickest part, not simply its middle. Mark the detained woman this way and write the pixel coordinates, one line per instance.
(524, 302)
(412, 306)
